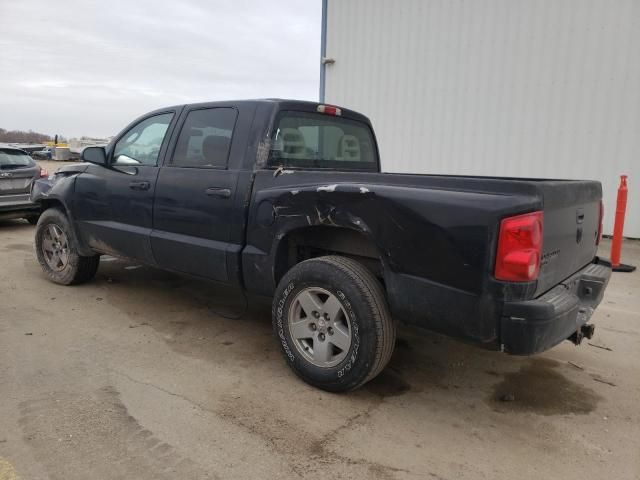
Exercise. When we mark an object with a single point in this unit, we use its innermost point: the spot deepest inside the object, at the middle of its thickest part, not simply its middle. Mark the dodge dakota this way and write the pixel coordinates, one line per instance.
(286, 199)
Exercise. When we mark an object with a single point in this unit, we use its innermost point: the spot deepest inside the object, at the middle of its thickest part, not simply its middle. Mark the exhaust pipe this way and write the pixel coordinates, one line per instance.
(587, 330)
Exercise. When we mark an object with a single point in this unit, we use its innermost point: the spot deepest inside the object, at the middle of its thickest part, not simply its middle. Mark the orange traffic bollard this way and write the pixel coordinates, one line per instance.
(616, 243)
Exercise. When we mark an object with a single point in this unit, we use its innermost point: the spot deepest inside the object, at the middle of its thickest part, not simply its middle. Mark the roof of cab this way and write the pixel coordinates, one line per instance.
(279, 103)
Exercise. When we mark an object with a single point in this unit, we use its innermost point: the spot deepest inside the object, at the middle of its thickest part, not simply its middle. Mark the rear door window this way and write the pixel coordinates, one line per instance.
(314, 140)
(205, 138)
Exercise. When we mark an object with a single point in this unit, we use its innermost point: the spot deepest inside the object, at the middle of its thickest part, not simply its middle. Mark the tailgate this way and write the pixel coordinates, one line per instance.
(571, 222)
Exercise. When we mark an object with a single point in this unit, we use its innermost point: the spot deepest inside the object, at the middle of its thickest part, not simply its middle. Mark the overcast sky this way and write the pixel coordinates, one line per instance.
(88, 67)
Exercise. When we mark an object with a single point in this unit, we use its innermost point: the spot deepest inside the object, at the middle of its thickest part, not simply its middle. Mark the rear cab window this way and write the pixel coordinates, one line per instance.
(11, 159)
(318, 141)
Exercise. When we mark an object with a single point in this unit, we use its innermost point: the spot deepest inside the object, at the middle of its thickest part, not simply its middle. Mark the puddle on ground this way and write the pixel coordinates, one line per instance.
(539, 388)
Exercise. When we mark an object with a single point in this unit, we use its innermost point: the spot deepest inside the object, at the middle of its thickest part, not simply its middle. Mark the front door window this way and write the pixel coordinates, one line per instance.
(141, 145)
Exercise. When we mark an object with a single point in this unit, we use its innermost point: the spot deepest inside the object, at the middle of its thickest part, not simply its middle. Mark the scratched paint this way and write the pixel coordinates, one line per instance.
(327, 188)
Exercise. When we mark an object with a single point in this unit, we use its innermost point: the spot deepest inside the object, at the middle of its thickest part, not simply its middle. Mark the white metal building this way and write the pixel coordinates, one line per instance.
(537, 88)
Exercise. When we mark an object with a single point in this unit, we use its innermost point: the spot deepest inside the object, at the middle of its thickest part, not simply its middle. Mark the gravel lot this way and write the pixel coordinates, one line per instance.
(143, 374)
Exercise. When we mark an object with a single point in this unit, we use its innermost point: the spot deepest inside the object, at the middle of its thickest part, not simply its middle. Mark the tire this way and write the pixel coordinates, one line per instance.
(54, 236)
(33, 219)
(313, 345)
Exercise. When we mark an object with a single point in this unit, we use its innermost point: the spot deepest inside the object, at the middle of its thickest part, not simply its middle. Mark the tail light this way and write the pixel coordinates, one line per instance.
(43, 172)
(519, 248)
(329, 110)
(599, 237)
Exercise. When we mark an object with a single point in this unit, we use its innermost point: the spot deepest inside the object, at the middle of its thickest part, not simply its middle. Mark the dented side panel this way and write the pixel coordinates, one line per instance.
(58, 190)
(435, 239)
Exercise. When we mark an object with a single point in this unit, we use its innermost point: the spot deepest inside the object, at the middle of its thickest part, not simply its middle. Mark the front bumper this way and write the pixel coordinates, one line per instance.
(534, 326)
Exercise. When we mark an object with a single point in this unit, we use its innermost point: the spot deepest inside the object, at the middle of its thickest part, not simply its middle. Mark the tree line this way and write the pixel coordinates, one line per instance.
(20, 136)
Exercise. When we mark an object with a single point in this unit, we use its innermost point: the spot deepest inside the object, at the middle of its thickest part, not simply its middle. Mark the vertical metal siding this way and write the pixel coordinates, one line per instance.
(540, 88)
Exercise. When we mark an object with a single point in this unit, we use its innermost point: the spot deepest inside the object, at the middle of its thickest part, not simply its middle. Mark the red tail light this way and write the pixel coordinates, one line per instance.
(599, 237)
(43, 172)
(519, 248)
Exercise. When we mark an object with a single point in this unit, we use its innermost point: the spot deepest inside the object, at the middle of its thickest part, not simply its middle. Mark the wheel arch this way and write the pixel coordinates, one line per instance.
(314, 241)
(47, 203)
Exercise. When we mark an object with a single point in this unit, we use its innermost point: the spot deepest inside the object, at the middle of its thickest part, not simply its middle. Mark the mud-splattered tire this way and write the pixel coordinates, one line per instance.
(56, 250)
(331, 318)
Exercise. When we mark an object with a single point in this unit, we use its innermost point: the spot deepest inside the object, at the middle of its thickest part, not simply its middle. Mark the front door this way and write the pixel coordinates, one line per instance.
(114, 205)
(193, 214)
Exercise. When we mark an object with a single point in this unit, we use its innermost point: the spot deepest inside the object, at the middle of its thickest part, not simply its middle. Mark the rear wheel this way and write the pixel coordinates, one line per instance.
(332, 320)
(56, 249)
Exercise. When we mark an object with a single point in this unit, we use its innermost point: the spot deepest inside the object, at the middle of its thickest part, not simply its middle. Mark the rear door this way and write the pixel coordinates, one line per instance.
(193, 217)
(114, 204)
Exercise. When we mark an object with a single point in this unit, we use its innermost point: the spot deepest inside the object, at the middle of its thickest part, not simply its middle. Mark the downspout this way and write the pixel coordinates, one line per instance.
(323, 48)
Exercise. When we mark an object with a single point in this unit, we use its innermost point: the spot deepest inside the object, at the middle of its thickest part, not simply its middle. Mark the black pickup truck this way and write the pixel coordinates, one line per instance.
(285, 199)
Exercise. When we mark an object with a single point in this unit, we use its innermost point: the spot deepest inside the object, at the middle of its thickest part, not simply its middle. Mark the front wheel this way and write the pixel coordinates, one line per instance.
(331, 318)
(57, 252)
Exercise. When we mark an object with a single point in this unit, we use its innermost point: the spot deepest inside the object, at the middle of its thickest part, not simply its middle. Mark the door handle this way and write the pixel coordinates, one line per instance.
(218, 192)
(139, 185)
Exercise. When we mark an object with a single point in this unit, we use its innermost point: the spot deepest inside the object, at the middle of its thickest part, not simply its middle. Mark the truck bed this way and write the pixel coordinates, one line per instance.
(436, 235)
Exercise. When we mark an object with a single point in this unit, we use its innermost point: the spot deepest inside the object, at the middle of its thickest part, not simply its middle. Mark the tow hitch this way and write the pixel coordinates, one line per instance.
(585, 330)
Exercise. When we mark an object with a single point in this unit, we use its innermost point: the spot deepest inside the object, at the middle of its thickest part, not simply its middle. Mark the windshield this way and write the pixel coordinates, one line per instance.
(314, 140)
(10, 159)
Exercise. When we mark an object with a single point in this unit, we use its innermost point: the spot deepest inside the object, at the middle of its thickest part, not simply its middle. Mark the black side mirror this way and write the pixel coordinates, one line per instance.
(95, 155)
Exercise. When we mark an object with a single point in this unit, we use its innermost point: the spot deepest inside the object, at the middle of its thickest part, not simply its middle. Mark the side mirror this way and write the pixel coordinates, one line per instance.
(95, 155)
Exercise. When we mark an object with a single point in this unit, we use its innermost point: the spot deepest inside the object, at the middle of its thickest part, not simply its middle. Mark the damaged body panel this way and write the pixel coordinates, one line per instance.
(297, 184)
(58, 191)
(434, 236)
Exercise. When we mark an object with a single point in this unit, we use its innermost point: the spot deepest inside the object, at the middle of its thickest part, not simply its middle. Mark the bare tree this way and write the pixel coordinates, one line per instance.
(20, 136)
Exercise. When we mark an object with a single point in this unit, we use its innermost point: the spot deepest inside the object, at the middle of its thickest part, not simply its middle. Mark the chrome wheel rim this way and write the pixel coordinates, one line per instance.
(55, 247)
(320, 327)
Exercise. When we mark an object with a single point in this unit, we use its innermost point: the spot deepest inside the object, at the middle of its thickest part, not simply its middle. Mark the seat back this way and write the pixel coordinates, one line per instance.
(349, 148)
(293, 144)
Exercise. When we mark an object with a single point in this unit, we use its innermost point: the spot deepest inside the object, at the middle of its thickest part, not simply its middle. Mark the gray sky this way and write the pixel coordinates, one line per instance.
(87, 67)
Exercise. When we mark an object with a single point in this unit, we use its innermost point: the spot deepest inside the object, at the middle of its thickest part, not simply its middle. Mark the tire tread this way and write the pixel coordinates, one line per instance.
(374, 295)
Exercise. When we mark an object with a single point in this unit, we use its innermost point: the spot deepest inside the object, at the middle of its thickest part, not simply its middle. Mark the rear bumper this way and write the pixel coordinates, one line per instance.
(533, 326)
(14, 206)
